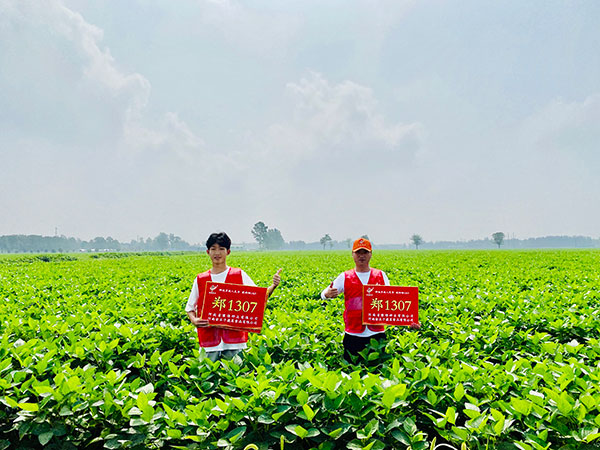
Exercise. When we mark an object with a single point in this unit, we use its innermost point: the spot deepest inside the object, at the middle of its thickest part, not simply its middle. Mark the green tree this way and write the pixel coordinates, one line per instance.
(326, 240)
(417, 240)
(270, 239)
(273, 239)
(498, 238)
(161, 242)
(259, 231)
(98, 243)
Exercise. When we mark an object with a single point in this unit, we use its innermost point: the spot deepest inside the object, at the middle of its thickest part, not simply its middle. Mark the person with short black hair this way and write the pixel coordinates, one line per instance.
(220, 342)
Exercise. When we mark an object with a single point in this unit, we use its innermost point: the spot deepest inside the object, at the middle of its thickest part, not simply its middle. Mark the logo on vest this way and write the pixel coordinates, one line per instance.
(369, 290)
(213, 288)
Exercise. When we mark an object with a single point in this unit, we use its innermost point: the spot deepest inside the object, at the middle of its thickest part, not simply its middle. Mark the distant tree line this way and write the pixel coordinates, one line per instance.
(19, 243)
(499, 239)
(271, 239)
(416, 241)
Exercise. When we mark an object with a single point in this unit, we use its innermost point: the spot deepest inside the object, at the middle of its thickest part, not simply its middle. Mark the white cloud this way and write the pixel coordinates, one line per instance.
(84, 148)
(266, 33)
(75, 91)
(132, 117)
(333, 148)
(567, 128)
(340, 121)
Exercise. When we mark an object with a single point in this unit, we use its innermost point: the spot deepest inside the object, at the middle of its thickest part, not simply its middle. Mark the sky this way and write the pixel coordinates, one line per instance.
(449, 119)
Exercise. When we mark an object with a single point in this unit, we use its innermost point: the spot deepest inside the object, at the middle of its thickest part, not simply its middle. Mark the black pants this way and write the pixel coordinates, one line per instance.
(355, 344)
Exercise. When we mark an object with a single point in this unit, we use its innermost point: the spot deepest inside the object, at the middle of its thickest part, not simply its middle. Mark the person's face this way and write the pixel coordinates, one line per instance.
(361, 257)
(217, 253)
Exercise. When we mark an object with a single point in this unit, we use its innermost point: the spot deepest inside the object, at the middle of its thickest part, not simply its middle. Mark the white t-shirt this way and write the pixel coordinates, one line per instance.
(193, 302)
(338, 284)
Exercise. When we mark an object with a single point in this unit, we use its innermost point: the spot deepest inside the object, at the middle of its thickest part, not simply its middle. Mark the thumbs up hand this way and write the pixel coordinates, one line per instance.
(277, 278)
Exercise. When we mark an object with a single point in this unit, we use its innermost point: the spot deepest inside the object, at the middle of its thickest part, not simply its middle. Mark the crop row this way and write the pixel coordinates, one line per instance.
(98, 353)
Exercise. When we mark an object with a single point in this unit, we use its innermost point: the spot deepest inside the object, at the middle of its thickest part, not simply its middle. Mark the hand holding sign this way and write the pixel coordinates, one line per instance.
(198, 322)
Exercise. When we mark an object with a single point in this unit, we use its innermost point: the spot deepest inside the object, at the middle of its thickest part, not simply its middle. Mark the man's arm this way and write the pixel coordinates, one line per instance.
(276, 281)
(334, 289)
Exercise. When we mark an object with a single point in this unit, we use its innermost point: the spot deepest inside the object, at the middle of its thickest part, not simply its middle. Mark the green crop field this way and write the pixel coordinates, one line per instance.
(97, 352)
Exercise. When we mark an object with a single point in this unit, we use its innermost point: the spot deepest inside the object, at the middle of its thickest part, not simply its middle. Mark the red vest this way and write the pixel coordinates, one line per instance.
(353, 295)
(211, 336)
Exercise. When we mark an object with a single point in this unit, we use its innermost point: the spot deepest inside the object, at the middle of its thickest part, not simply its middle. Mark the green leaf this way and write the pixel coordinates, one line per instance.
(401, 437)
(31, 407)
(368, 430)
(564, 406)
(500, 420)
(236, 434)
(522, 406)
(174, 433)
(312, 432)
(44, 438)
(588, 401)
(356, 444)
(112, 444)
(472, 410)
(432, 397)
(266, 419)
(373, 356)
(370, 445)
(335, 433)
(301, 432)
(459, 392)
(302, 397)
(239, 404)
(148, 413)
(65, 411)
(389, 397)
(137, 422)
(409, 426)
(461, 433)
(451, 415)
(281, 410)
(142, 400)
(308, 411)
(297, 430)
(592, 437)
(10, 402)
(43, 389)
(147, 389)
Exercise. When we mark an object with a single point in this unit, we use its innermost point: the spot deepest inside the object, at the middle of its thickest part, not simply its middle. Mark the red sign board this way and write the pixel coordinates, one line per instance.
(234, 306)
(390, 305)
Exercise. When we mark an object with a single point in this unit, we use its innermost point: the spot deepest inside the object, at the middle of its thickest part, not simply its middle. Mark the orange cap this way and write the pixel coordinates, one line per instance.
(361, 243)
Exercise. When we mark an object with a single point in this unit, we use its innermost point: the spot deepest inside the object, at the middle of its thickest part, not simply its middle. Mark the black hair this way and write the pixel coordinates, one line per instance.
(220, 238)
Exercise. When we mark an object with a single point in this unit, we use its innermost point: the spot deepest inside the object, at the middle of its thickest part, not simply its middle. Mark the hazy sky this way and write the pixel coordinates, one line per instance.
(451, 119)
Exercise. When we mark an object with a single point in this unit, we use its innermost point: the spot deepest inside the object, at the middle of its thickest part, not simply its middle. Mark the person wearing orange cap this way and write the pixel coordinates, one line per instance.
(357, 336)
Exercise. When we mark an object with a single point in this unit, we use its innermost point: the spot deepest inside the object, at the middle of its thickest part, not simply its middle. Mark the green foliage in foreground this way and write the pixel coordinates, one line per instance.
(98, 353)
